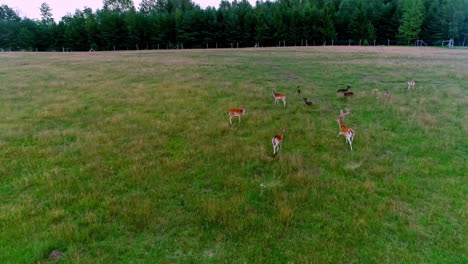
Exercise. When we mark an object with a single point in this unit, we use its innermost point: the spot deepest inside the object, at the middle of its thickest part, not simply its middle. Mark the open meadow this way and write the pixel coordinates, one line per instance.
(128, 157)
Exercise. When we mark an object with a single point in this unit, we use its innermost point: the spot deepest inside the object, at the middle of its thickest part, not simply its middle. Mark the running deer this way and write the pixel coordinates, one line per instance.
(344, 130)
(276, 141)
(411, 84)
(278, 97)
(236, 112)
(344, 90)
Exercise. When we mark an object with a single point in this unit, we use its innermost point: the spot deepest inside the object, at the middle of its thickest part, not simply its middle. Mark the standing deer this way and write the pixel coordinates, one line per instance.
(411, 84)
(344, 130)
(236, 112)
(276, 141)
(278, 97)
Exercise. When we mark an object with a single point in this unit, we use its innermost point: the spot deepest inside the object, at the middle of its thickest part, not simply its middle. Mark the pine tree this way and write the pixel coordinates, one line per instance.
(411, 21)
(46, 13)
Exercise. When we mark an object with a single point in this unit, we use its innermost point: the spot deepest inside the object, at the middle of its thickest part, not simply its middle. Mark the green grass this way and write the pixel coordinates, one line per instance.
(128, 157)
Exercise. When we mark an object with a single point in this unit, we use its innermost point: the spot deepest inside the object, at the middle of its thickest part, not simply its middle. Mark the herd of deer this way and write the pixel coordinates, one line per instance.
(344, 130)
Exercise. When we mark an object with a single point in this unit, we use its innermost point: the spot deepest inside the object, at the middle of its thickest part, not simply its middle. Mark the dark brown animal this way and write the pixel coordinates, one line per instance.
(344, 90)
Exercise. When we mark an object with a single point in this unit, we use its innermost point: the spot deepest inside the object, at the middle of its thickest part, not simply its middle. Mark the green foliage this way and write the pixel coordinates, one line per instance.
(46, 13)
(411, 21)
(173, 23)
(118, 5)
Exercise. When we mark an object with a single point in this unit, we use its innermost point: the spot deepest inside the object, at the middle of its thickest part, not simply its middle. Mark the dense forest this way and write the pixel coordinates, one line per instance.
(119, 25)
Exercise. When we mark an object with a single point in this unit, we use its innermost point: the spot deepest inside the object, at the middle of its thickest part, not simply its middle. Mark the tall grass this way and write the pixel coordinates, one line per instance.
(129, 157)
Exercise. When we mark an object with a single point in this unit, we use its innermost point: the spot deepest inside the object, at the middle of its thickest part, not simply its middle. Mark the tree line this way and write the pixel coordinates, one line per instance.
(119, 25)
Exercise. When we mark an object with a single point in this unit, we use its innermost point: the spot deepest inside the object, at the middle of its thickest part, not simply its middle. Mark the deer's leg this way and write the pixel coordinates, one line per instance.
(239, 119)
(230, 120)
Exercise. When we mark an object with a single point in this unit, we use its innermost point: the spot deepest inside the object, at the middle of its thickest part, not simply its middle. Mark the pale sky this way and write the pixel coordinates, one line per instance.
(30, 8)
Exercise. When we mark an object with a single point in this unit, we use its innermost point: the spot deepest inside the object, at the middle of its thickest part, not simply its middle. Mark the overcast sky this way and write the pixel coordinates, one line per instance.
(30, 8)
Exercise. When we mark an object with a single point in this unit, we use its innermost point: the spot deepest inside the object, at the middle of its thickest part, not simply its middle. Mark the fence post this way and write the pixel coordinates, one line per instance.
(374, 42)
(237, 44)
(349, 43)
(359, 42)
(388, 42)
(307, 45)
(332, 43)
(158, 46)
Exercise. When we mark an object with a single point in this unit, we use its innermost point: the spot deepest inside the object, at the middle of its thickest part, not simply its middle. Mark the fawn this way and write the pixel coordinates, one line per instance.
(236, 112)
(276, 141)
(278, 97)
(298, 90)
(411, 84)
(344, 130)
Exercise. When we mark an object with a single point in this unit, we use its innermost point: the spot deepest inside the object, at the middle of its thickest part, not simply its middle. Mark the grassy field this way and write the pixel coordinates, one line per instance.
(128, 157)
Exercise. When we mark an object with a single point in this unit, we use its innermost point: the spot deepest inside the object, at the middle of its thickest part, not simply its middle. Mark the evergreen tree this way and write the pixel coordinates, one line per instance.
(412, 19)
(46, 13)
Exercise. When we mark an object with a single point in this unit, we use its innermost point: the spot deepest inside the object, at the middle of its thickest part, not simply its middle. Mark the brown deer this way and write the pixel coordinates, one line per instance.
(278, 97)
(276, 141)
(236, 112)
(344, 130)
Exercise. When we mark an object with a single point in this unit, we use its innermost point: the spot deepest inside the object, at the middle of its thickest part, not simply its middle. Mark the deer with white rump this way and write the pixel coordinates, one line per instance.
(276, 141)
(344, 130)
